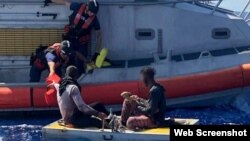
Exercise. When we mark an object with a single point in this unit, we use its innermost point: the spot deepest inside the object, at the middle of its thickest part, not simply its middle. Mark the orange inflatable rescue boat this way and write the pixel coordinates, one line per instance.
(14, 97)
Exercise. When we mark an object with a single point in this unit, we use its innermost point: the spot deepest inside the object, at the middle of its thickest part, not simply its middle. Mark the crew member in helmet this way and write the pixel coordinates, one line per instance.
(52, 58)
(78, 31)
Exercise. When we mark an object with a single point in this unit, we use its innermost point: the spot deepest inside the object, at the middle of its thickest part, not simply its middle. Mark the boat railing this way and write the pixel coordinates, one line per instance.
(122, 2)
(31, 85)
(246, 15)
(14, 63)
(104, 2)
(216, 6)
(244, 10)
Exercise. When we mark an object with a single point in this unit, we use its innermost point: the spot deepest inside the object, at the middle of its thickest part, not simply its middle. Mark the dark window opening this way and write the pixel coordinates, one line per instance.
(176, 58)
(145, 34)
(223, 52)
(221, 33)
(191, 56)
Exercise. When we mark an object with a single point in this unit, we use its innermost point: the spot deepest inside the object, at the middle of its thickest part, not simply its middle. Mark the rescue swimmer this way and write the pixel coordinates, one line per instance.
(78, 31)
(53, 58)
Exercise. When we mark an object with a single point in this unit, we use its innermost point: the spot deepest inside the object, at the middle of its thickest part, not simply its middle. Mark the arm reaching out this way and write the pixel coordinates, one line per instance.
(51, 68)
(51, 62)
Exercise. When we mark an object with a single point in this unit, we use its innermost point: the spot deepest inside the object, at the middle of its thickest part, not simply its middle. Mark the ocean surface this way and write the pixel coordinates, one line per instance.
(29, 128)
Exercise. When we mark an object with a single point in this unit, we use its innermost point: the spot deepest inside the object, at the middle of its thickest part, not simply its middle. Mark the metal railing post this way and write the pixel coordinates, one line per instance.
(217, 5)
(242, 12)
(247, 15)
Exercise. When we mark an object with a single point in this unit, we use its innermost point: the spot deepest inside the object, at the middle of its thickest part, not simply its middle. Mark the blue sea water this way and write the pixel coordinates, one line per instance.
(29, 128)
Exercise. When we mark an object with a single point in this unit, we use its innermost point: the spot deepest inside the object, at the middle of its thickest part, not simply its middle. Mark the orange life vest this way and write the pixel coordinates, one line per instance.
(78, 23)
(79, 15)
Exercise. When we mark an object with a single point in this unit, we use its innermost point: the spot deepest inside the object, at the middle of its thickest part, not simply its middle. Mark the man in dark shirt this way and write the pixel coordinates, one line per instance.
(141, 113)
(78, 31)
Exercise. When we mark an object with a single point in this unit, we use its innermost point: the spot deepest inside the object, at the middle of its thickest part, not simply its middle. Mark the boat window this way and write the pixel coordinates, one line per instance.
(176, 58)
(140, 62)
(145, 34)
(221, 33)
(223, 52)
(191, 56)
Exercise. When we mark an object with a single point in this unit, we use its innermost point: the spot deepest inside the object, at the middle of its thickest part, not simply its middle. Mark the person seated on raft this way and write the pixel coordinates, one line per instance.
(138, 113)
(74, 111)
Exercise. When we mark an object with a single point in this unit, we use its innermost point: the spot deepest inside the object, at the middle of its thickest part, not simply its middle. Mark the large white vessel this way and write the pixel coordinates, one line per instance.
(186, 41)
